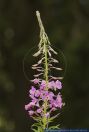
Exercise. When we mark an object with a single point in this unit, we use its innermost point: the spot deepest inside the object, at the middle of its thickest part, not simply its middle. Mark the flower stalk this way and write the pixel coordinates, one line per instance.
(45, 38)
(44, 100)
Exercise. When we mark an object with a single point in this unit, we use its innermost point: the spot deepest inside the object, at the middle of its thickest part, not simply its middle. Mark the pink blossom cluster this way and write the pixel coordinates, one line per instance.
(39, 94)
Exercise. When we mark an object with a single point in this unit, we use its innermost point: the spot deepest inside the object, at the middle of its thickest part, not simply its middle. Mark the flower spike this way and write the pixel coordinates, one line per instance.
(44, 100)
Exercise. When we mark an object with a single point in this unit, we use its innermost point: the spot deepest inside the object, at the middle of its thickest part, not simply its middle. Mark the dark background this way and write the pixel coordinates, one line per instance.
(67, 25)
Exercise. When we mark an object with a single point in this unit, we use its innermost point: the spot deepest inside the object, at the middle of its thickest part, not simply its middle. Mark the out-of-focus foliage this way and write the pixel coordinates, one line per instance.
(67, 25)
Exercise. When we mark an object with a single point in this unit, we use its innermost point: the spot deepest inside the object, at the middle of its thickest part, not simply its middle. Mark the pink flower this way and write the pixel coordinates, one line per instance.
(32, 91)
(43, 84)
(58, 84)
(36, 81)
(53, 109)
(37, 104)
(31, 112)
(28, 106)
(34, 100)
(54, 103)
(55, 85)
(59, 101)
(50, 96)
(51, 84)
(37, 93)
(43, 94)
(39, 110)
(47, 114)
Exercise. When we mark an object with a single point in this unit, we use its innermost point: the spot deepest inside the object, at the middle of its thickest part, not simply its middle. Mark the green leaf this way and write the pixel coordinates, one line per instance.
(54, 127)
(37, 127)
(37, 119)
(53, 117)
(34, 130)
(40, 129)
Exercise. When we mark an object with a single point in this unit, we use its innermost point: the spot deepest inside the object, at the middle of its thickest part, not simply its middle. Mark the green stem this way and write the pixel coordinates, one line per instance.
(44, 38)
(46, 79)
(46, 66)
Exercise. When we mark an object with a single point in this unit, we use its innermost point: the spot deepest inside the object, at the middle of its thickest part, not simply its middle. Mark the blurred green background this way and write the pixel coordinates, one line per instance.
(67, 25)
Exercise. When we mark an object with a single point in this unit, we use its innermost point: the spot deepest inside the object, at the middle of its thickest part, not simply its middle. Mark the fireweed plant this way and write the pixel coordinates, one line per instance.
(45, 93)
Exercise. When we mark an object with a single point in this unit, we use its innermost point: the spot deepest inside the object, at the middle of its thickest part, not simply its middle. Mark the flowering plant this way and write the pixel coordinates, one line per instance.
(45, 92)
